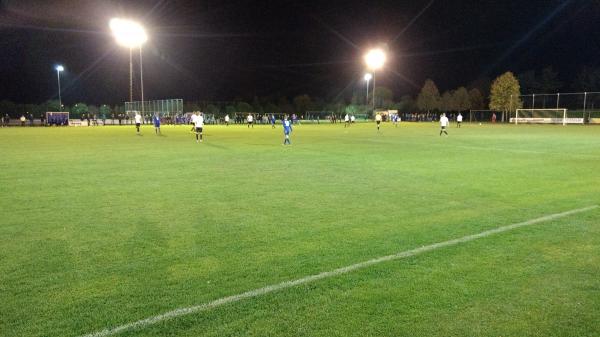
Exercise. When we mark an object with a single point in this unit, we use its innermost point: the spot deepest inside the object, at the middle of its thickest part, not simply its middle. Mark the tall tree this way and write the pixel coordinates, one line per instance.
(8, 107)
(104, 111)
(407, 104)
(529, 83)
(384, 97)
(460, 98)
(230, 110)
(271, 108)
(93, 109)
(447, 102)
(78, 109)
(212, 109)
(52, 105)
(429, 97)
(302, 103)
(351, 109)
(191, 106)
(285, 106)
(549, 82)
(256, 106)
(476, 99)
(588, 79)
(243, 107)
(505, 94)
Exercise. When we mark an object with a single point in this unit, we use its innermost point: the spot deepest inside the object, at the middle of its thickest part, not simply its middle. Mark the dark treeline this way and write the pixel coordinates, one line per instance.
(429, 99)
(456, 100)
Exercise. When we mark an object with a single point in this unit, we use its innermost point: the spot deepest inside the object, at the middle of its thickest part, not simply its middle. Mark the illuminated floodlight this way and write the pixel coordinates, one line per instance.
(375, 59)
(60, 68)
(128, 33)
(368, 77)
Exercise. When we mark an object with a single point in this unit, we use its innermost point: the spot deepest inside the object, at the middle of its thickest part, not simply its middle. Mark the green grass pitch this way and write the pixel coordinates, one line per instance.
(100, 227)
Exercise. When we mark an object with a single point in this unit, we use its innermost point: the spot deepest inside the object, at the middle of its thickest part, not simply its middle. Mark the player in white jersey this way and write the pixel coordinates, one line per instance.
(459, 119)
(444, 124)
(138, 121)
(193, 120)
(346, 120)
(378, 120)
(250, 120)
(227, 120)
(198, 125)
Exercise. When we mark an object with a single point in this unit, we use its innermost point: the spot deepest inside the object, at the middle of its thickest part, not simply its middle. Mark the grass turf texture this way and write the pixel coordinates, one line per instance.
(101, 227)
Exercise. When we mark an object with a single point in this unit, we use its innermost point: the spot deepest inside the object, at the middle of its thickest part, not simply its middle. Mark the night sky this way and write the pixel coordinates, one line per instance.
(225, 50)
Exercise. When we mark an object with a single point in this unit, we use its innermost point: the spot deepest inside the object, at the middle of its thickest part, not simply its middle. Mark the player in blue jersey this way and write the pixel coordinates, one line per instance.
(287, 129)
(156, 120)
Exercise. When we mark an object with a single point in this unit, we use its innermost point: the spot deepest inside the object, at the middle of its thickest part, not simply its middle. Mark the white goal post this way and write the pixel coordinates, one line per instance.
(544, 116)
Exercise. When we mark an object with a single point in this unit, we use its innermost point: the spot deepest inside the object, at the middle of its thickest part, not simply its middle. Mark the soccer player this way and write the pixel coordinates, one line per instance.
(227, 120)
(199, 124)
(193, 120)
(272, 118)
(395, 119)
(443, 124)
(378, 120)
(352, 119)
(250, 120)
(287, 129)
(459, 120)
(156, 120)
(346, 120)
(138, 121)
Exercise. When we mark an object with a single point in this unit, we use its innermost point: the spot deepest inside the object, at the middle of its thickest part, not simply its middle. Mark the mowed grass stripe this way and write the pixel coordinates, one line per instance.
(324, 275)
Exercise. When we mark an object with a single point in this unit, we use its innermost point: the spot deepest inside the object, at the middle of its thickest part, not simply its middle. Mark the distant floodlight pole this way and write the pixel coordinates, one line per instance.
(142, 79)
(375, 59)
(132, 35)
(368, 78)
(130, 75)
(59, 68)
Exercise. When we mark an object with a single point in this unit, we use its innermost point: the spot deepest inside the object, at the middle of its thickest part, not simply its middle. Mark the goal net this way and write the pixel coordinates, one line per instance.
(544, 116)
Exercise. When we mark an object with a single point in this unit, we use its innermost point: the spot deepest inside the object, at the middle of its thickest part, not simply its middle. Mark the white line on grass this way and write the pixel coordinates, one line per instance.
(336, 272)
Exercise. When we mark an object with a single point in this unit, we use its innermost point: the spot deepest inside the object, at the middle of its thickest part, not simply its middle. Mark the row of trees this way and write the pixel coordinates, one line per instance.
(461, 99)
(76, 110)
(547, 81)
(503, 96)
(428, 100)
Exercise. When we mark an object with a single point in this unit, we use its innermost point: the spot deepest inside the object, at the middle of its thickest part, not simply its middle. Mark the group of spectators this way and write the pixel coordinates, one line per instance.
(258, 118)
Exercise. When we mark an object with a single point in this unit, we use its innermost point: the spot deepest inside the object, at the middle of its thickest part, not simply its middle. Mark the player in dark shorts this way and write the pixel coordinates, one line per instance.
(156, 120)
(138, 121)
(198, 125)
(250, 120)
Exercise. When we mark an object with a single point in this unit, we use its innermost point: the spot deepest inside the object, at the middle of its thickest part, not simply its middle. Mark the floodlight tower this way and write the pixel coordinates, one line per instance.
(130, 34)
(375, 59)
(59, 68)
(368, 78)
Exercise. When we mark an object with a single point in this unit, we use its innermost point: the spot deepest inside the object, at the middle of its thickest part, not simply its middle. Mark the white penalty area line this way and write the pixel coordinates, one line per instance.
(146, 322)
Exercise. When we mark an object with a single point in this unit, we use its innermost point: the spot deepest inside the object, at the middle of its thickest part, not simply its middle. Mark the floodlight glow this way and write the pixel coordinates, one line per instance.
(128, 33)
(368, 77)
(375, 59)
(60, 68)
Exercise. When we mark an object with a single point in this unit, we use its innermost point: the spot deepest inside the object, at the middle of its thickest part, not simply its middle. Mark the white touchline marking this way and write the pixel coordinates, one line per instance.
(344, 270)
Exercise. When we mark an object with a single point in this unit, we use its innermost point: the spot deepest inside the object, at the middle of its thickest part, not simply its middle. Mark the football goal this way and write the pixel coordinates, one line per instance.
(57, 118)
(544, 116)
